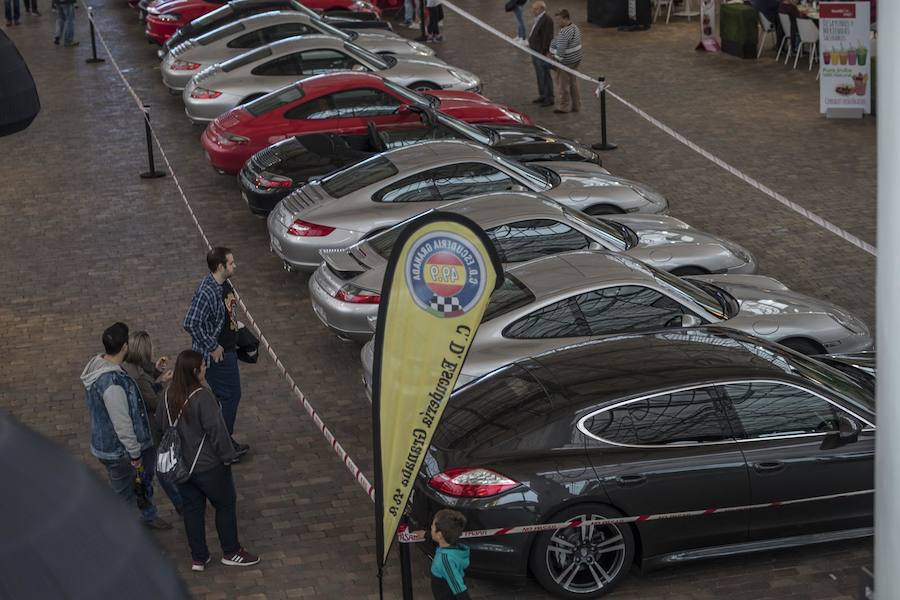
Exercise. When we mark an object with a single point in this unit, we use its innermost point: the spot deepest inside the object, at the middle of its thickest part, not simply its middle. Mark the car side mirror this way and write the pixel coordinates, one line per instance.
(685, 320)
(847, 433)
(517, 188)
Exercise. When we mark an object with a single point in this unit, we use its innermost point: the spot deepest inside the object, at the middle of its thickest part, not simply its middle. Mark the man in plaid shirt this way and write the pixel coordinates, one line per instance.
(211, 324)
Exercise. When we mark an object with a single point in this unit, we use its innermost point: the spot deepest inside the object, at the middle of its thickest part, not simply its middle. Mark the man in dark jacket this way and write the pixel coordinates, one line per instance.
(120, 430)
(539, 40)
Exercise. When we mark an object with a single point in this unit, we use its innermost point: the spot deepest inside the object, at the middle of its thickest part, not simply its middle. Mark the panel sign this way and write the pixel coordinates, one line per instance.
(844, 56)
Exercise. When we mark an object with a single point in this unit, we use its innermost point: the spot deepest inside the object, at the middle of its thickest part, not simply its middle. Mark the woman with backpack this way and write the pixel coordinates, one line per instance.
(151, 377)
(199, 452)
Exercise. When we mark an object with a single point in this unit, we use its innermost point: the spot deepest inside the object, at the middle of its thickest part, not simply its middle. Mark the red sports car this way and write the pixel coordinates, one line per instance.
(340, 103)
(164, 17)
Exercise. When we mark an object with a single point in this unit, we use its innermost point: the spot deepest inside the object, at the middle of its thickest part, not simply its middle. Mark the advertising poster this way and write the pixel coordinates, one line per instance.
(709, 25)
(844, 56)
(439, 279)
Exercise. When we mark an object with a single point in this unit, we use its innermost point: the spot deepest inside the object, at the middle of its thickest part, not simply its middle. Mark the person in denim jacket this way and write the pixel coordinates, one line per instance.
(120, 430)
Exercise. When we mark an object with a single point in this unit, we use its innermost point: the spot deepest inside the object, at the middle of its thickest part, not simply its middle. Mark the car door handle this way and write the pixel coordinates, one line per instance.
(768, 467)
(631, 480)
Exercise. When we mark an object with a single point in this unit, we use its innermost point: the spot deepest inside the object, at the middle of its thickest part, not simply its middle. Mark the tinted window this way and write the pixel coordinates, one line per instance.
(418, 188)
(501, 407)
(254, 39)
(511, 295)
(558, 320)
(347, 181)
(676, 418)
(286, 65)
(341, 105)
(221, 33)
(455, 182)
(316, 62)
(274, 100)
(772, 409)
(245, 59)
(628, 308)
(285, 30)
(525, 240)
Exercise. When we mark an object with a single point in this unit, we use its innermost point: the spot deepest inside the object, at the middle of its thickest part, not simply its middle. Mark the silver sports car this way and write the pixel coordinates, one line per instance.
(568, 298)
(345, 289)
(377, 193)
(221, 87)
(234, 39)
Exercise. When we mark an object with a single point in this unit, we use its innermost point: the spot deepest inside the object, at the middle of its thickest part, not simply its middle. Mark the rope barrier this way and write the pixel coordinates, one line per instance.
(357, 473)
(780, 198)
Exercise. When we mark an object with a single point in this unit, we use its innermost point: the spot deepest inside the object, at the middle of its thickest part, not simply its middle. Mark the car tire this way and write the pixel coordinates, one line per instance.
(421, 86)
(804, 346)
(604, 209)
(682, 271)
(595, 574)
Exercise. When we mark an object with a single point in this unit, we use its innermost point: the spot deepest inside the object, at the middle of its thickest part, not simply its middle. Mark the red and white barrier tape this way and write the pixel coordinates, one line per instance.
(780, 198)
(329, 436)
(411, 537)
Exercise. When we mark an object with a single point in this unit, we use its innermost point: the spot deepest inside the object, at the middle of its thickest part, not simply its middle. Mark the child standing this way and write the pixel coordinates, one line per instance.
(450, 559)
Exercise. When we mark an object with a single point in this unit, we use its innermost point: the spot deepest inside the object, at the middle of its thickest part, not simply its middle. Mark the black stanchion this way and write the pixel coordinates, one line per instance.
(152, 173)
(405, 566)
(604, 144)
(93, 58)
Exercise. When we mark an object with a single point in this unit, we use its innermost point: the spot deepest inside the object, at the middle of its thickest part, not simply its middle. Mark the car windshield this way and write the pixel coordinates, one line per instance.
(276, 99)
(335, 32)
(467, 131)
(245, 59)
(832, 379)
(220, 33)
(692, 293)
(411, 96)
(860, 376)
(537, 181)
(379, 62)
(511, 295)
(620, 236)
(360, 175)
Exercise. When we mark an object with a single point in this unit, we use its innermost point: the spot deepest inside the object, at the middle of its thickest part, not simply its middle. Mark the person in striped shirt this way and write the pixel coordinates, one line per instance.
(566, 48)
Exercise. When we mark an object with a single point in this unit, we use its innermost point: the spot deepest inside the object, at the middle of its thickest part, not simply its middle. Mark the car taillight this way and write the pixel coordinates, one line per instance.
(270, 180)
(471, 482)
(183, 65)
(169, 17)
(204, 94)
(356, 295)
(226, 138)
(303, 229)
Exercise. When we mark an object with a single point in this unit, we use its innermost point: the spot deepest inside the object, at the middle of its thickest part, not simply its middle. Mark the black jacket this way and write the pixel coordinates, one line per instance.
(541, 34)
(204, 416)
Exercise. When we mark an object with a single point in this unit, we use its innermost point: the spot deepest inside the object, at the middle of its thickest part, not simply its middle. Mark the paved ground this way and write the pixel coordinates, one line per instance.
(85, 242)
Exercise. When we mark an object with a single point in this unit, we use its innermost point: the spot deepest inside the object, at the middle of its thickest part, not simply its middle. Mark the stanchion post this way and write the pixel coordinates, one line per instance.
(405, 565)
(152, 173)
(604, 143)
(93, 58)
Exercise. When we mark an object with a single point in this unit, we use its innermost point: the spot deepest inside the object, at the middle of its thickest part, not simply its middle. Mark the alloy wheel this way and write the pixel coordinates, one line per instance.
(586, 559)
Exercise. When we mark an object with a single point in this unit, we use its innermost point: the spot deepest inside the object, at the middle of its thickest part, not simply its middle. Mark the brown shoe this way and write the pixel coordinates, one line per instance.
(159, 524)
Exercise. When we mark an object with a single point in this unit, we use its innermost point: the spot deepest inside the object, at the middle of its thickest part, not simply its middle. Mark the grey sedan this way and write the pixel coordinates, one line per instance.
(220, 87)
(345, 289)
(381, 191)
(234, 39)
(564, 299)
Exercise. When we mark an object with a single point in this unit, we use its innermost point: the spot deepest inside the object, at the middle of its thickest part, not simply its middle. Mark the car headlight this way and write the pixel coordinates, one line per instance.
(650, 195)
(169, 17)
(739, 252)
(419, 48)
(849, 323)
(463, 77)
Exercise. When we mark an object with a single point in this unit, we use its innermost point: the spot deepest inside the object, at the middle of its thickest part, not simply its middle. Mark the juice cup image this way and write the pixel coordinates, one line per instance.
(851, 56)
(861, 54)
(843, 56)
(859, 84)
(826, 57)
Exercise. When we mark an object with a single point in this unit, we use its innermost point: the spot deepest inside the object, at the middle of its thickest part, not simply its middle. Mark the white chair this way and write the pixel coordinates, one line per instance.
(659, 4)
(786, 40)
(767, 28)
(809, 37)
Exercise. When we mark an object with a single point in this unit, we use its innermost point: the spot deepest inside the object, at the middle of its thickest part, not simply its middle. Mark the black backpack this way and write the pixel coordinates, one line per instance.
(169, 461)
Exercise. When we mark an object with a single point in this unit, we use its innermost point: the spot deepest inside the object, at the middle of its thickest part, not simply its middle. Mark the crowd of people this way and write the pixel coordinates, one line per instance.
(65, 17)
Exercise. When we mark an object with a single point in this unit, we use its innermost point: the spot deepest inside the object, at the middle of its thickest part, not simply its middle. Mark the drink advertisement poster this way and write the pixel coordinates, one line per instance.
(844, 56)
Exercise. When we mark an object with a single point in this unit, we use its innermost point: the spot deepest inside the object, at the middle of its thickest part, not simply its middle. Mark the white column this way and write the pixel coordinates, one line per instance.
(887, 446)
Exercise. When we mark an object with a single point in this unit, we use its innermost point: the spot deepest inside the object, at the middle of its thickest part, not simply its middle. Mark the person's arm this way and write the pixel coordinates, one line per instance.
(148, 392)
(546, 34)
(117, 407)
(160, 420)
(197, 323)
(213, 425)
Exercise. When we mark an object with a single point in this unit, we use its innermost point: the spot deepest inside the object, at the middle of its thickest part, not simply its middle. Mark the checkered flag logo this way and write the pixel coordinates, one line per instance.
(445, 304)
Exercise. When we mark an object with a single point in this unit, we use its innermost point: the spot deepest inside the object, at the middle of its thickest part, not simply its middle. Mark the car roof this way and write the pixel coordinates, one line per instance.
(306, 42)
(506, 207)
(274, 16)
(328, 82)
(436, 153)
(581, 269)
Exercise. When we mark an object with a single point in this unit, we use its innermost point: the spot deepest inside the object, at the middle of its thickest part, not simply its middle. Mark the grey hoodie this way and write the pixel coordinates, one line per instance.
(115, 401)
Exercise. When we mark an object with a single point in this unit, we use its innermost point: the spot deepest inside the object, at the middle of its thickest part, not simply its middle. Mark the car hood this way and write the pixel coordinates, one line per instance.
(765, 296)
(174, 6)
(658, 233)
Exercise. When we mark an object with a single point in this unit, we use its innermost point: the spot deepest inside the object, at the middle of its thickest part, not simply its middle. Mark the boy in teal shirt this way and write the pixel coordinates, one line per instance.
(450, 559)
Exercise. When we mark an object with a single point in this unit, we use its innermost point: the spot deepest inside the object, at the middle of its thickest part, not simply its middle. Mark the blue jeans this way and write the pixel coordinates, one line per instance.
(224, 379)
(520, 21)
(121, 479)
(544, 79)
(65, 22)
(11, 8)
(409, 11)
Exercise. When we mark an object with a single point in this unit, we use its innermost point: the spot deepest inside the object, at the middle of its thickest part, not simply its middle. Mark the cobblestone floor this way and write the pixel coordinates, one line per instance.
(84, 242)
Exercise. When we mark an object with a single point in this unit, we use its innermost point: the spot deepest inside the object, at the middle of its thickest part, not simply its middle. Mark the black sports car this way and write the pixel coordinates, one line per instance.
(238, 9)
(301, 158)
(647, 424)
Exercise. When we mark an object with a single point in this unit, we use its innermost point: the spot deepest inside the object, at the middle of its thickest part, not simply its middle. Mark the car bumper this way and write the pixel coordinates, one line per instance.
(260, 201)
(158, 32)
(302, 253)
(348, 321)
(175, 80)
(205, 111)
(225, 160)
